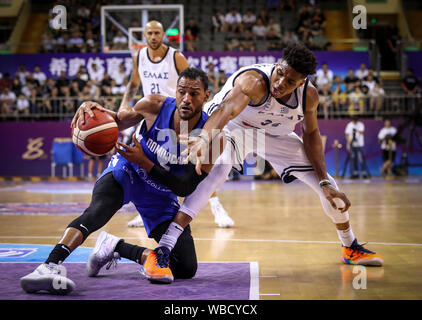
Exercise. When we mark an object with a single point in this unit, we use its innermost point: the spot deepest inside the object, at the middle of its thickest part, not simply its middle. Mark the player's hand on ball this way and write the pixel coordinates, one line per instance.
(196, 150)
(331, 193)
(86, 107)
(134, 154)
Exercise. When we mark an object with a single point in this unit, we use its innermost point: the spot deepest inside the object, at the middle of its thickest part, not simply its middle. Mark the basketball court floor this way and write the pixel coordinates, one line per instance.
(282, 246)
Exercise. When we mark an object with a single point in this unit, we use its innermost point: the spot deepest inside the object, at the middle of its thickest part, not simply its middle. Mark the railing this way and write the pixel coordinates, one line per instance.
(345, 106)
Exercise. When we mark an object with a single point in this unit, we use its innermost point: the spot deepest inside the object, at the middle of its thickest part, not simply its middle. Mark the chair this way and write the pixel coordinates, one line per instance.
(62, 154)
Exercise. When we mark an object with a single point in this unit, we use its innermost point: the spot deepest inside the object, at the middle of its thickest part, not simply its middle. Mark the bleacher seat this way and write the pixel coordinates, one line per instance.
(64, 153)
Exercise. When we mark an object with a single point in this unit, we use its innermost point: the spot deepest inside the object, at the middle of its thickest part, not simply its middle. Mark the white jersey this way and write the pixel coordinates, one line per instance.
(158, 77)
(271, 114)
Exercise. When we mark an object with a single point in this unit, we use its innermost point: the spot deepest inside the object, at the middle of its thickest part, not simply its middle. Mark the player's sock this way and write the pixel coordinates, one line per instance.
(130, 251)
(346, 236)
(59, 253)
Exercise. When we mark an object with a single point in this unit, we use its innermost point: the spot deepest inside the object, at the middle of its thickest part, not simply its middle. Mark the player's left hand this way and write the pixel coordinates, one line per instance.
(196, 150)
(134, 154)
(331, 193)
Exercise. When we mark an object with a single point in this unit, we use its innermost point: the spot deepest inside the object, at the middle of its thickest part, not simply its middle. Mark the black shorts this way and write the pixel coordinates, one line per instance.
(386, 155)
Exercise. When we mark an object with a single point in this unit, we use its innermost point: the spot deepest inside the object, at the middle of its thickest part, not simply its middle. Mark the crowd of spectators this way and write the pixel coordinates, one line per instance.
(32, 95)
(358, 92)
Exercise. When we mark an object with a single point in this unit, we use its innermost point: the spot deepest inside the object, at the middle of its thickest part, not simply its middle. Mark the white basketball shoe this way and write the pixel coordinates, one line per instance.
(221, 217)
(136, 222)
(102, 254)
(48, 277)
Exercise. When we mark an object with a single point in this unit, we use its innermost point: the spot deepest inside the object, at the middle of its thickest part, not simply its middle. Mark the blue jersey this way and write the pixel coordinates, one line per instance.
(155, 202)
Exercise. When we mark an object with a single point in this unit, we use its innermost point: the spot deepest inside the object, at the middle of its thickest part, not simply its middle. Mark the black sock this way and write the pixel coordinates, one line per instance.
(59, 253)
(130, 251)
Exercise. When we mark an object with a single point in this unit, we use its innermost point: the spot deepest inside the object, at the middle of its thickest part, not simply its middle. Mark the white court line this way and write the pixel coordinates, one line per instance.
(254, 287)
(269, 294)
(235, 240)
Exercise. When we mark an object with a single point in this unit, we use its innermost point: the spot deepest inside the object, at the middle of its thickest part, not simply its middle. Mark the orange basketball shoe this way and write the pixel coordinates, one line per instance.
(156, 267)
(357, 254)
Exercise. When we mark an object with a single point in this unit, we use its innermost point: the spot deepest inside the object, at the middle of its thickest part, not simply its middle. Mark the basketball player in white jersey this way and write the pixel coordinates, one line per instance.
(156, 67)
(275, 97)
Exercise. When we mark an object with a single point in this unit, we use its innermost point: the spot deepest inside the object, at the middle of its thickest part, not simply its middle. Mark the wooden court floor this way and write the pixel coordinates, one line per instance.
(285, 230)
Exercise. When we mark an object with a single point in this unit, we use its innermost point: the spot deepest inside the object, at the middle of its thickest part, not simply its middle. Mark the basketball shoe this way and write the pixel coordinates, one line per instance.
(156, 267)
(221, 217)
(136, 222)
(48, 277)
(357, 254)
(103, 253)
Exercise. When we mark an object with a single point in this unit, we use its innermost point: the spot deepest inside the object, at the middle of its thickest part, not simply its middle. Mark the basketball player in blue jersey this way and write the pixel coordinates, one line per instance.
(155, 157)
(274, 98)
(156, 67)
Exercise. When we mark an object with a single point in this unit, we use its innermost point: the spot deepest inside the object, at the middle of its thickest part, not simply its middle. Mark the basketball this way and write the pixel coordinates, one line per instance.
(97, 135)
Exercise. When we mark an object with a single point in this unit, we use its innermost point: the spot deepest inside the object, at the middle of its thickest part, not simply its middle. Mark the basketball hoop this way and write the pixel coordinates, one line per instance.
(135, 47)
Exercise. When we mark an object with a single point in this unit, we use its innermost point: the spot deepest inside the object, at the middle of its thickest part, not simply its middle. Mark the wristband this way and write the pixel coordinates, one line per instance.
(324, 183)
(169, 238)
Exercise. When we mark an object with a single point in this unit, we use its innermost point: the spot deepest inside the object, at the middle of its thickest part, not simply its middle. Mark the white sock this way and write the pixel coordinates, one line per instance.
(214, 200)
(346, 236)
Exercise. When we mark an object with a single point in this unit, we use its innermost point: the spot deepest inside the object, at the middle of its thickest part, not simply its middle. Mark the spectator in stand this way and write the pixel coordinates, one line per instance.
(233, 41)
(410, 85)
(193, 27)
(84, 12)
(362, 72)
(91, 44)
(95, 74)
(22, 105)
(62, 43)
(319, 18)
(338, 90)
(119, 41)
(16, 86)
(68, 103)
(325, 99)
(26, 90)
(189, 41)
(47, 42)
(371, 72)
(94, 91)
(220, 81)
(74, 89)
(263, 15)
(369, 82)
(22, 74)
(76, 42)
(273, 5)
(8, 101)
(289, 37)
(351, 78)
(273, 39)
(388, 147)
(376, 95)
(232, 21)
(120, 75)
(62, 81)
(259, 30)
(39, 75)
(247, 41)
(218, 21)
(106, 80)
(356, 101)
(274, 26)
(324, 76)
(249, 19)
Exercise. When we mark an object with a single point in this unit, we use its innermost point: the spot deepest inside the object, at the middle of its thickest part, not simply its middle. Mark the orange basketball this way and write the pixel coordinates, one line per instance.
(97, 135)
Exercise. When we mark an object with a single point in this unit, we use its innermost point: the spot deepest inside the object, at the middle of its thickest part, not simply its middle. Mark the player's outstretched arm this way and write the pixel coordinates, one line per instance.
(181, 185)
(250, 86)
(314, 150)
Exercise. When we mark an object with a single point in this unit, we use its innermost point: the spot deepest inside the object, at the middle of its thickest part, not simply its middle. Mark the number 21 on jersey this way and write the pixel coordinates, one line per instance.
(155, 88)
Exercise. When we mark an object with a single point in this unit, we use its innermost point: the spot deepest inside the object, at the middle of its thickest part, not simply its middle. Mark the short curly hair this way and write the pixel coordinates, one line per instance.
(300, 58)
(194, 74)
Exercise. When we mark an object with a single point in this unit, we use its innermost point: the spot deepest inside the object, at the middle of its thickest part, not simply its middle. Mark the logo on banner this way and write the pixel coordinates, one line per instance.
(16, 253)
(33, 149)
